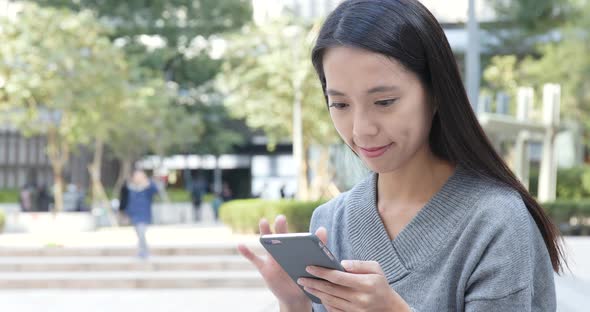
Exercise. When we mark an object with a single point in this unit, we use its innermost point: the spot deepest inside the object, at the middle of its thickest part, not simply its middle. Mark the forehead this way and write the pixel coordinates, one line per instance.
(348, 67)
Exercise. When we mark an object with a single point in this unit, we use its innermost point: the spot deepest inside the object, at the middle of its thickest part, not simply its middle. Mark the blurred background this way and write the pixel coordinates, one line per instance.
(217, 101)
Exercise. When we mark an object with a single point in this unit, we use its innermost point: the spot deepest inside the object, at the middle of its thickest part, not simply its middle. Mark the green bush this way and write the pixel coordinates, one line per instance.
(243, 215)
(562, 211)
(572, 183)
(9, 196)
(178, 195)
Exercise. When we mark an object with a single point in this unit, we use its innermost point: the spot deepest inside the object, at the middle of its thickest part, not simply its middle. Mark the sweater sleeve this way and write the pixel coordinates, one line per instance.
(514, 272)
(519, 300)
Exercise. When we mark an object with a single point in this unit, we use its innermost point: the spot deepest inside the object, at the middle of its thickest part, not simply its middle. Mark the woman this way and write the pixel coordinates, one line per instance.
(441, 224)
(140, 195)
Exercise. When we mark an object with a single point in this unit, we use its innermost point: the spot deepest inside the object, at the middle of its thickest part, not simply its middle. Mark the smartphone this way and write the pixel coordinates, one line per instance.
(295, 251)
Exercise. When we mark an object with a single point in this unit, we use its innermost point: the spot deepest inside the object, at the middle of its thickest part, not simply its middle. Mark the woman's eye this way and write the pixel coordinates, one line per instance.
(386, 102)
(338, 105)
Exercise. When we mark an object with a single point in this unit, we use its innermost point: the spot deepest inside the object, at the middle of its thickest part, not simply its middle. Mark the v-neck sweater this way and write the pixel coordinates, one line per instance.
(473, 247)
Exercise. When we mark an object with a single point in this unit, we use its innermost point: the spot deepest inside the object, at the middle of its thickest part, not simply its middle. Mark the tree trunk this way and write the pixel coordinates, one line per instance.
(124, 172)
(57, 152)
(100, 199)
(159, 167)
(58, 187)
(303, 177)
(321, 184)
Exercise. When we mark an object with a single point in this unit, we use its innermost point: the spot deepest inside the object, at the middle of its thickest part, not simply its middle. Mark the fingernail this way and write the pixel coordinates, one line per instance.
(309, 269)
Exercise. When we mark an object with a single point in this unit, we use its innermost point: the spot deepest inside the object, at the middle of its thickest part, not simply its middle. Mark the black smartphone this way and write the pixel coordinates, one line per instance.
(295, 251)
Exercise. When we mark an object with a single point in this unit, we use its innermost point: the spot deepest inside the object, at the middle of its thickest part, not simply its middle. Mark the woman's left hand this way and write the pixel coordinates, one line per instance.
(363, 287)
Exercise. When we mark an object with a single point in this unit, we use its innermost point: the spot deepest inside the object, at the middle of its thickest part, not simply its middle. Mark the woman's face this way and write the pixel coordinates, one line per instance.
(139, 178)
(375, 102)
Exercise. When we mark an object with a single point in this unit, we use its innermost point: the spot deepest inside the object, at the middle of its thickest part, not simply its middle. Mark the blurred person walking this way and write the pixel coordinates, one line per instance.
(225, 195)
(138, 207)
(27, 197)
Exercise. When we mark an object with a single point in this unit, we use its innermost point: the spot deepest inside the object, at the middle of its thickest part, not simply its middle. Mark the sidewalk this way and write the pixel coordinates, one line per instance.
(255, 299)
(157, 235)
(206, 300)
(572, 288)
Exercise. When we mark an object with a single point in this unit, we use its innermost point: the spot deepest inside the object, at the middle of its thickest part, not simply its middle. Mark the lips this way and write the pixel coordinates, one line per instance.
(374, 152)
(374, 149)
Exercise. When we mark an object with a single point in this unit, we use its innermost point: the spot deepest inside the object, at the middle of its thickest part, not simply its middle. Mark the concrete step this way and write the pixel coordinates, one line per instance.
(130, 280)
(192, 250)
(199, 266)
(102, 264)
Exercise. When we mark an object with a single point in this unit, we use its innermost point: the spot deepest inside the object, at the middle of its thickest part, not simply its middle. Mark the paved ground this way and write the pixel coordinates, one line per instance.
(138, 301)
(573, 289)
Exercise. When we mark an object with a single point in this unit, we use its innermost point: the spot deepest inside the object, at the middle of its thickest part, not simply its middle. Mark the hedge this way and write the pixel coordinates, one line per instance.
(8, 196)
(572, 216)
(572, 183)
(243, 215)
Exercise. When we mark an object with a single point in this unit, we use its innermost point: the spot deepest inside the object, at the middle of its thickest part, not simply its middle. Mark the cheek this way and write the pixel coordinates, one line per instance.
(342, 126)
(415, 125)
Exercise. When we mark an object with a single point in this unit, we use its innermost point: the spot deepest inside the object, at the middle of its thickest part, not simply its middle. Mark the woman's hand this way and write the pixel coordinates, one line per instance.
(278, 281)
(363, 287)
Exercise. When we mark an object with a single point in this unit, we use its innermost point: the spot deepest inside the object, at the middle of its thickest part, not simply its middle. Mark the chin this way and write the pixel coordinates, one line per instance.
(380, 168)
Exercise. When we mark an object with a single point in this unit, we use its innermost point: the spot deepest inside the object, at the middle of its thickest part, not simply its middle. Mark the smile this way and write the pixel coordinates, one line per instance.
(375, 151)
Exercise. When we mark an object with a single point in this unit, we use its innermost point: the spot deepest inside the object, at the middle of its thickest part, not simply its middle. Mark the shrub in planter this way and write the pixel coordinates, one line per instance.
(564, 211)
(243, 215)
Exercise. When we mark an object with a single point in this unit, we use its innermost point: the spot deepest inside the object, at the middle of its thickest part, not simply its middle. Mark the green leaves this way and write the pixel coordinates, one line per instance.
(264, 69)
(562, 61)
(59, 71)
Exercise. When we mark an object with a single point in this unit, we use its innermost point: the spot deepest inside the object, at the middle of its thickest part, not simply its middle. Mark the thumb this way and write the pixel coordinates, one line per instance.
(362, 267)
(322, 234)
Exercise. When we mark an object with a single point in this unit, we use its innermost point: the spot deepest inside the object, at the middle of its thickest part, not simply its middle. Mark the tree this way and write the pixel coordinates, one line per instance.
(564, 61)
(523, 23)
(178, 39)
(152, 123)
(223, 132)
(266, 70)
(60, 74)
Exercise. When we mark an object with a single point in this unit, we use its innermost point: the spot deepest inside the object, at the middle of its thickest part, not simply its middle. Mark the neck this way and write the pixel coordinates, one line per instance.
(414, 183)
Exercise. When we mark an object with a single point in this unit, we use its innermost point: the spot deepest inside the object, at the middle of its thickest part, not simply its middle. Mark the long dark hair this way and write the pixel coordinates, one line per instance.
(407, 32)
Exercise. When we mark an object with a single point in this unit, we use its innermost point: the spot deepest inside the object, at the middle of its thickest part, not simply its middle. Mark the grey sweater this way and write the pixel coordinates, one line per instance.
(472, 247)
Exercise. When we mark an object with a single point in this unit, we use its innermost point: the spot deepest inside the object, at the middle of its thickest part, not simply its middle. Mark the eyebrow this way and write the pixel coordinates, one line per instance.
(370, 91)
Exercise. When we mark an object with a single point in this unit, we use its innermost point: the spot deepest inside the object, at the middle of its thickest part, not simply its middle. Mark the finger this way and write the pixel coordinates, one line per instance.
(337, 277)
(281, 224)
(336, 303)
(332, 309)
(322, 234)
(326, 287)
(264, 227)
(362, 267)
(248, 254)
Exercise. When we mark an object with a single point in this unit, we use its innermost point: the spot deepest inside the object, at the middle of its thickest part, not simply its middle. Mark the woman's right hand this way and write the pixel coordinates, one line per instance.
(278, 281)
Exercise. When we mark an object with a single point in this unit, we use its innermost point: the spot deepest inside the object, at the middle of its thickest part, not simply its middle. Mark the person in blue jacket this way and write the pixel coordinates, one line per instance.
(140, 195)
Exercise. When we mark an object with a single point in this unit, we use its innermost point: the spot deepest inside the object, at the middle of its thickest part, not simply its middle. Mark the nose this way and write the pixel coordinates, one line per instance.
(363, 125)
